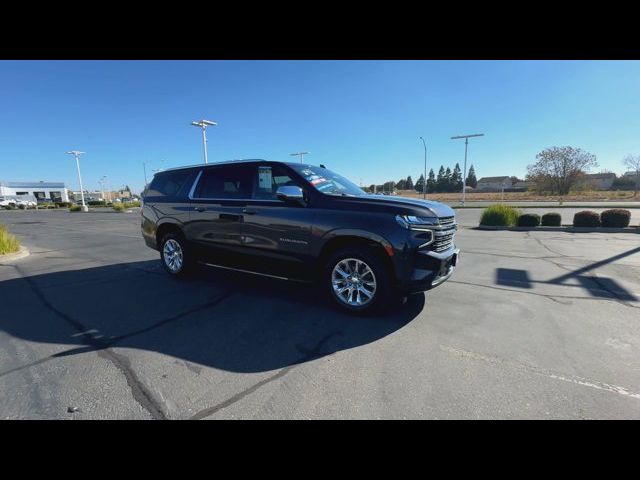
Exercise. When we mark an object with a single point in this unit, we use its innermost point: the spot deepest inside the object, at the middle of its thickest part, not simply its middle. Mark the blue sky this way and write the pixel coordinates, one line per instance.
(360, 118)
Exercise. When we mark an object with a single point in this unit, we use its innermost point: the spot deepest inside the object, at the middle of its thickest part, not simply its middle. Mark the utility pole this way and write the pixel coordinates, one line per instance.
(77, 154)
(144, 166)
(464, 175)
(424, 184)
(203, 125)
(301, 155)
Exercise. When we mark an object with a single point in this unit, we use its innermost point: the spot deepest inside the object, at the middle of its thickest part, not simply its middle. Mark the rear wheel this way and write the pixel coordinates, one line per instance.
(175, 254)
(357, 280)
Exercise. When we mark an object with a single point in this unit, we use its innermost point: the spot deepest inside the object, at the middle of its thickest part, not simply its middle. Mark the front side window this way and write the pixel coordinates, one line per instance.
(328, 182)
(232, 182)
(267, 181)
(167, 184)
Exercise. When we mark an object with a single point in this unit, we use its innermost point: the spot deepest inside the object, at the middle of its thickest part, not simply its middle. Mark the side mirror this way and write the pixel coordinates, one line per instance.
(290, 194)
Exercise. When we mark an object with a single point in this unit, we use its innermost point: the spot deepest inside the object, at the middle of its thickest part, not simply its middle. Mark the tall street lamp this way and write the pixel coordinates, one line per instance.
(301, 155)
(464, 174)
(424, 184)
(77, 154)
(102, 180)
(203, 124)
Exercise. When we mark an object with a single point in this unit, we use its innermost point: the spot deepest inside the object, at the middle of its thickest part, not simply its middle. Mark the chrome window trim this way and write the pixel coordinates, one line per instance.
(195, 185)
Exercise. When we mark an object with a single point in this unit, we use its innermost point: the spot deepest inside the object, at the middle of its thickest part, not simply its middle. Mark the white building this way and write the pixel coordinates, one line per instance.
(43, 191)
(599, 181)
(493, 184)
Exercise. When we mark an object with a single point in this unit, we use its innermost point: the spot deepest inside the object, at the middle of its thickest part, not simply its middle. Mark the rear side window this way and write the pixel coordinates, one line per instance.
(167, 184)
(225, 182)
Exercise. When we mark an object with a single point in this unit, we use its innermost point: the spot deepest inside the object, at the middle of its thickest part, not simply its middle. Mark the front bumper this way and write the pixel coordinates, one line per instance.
(431, 269)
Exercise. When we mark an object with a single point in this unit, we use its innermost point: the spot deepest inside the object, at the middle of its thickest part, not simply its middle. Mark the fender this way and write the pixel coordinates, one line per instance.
(354, 232)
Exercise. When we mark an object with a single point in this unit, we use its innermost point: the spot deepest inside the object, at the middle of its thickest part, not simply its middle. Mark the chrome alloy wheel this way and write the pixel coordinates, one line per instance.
(172, 253)
(353, 281)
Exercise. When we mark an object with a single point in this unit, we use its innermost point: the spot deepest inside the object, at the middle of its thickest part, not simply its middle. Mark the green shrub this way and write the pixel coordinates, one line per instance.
(8, 243)
(616, 217)
(131, 204)
(96, 203)
(586, 218)
(63, 204)
(118, 207)
(551, 220)
(500, 215)
(75, 208)
(529, 220)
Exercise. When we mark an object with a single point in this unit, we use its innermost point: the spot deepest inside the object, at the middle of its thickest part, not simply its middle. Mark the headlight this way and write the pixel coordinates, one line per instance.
(415, 223)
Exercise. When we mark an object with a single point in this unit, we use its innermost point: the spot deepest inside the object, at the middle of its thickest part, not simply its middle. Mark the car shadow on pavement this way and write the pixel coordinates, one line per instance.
(225, 320)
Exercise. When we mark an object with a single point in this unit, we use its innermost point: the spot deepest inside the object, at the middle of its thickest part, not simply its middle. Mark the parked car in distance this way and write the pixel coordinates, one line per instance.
(297, 221)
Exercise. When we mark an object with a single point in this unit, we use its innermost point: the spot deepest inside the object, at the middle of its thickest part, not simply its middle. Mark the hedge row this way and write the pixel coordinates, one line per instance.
(506, 216)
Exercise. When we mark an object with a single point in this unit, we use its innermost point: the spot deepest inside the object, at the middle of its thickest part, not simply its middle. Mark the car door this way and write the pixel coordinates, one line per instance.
(217, 200)
(272, 228)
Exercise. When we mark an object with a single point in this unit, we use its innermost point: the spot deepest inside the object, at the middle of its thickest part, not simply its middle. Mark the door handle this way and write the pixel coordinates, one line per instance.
(249, 211)
(228, 216)
(199, 209)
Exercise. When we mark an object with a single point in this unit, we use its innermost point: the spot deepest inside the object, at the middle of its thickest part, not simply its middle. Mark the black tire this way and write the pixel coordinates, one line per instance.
(372, 259)
(186, 264)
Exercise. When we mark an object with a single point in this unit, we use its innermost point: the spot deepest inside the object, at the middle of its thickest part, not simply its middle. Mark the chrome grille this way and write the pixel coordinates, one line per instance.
(444, 238)
(446, 221)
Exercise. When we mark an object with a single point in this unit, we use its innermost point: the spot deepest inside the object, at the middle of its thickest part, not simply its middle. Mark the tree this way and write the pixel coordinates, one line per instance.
(409, 185)
(472, 181)
(402, 184)
(431, 182)
(456, 179)
(440, 180)
(389, 186)
(632, 162)
(419, 184)
(561, 167)
(447, 180)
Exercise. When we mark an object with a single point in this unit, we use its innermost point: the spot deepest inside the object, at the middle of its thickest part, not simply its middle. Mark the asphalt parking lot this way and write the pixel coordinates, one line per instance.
(531, 325)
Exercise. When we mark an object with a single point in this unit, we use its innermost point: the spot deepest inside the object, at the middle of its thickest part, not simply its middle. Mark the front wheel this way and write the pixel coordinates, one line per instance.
(175, 254)
(358, 280)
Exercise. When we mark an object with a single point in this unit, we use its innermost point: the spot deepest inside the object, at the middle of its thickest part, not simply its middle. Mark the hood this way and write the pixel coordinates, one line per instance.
(403, 205)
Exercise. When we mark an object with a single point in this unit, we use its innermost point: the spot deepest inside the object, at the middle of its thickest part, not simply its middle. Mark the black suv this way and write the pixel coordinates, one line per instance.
(297, 221)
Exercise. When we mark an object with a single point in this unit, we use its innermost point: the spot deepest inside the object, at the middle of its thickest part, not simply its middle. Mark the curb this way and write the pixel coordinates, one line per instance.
(10, 257)
(563, 229)
(606, 207)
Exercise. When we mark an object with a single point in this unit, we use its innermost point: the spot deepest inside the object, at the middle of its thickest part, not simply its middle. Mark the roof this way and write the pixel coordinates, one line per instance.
(244, 160)
(601, 175)
(493, 179)
(33, 184)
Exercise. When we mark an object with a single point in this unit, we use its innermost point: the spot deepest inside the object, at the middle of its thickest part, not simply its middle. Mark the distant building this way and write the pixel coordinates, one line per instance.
(630, 176)
(599, 181)
(523, 185)
(42, 191)
(493, 184)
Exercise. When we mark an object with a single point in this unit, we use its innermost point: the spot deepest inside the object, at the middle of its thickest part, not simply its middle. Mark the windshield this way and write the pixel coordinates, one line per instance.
(326, 181)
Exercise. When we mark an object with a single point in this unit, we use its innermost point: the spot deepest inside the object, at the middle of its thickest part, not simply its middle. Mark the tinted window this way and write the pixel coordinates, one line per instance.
(268, 180)
(225, 182)
(167, 184)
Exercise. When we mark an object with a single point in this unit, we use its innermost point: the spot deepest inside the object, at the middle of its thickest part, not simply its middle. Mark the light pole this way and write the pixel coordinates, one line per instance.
(77, 154)
(424, 184)
(102, 179)
(144, 166)
(301, 155)
(203, 125)
(464, 173)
